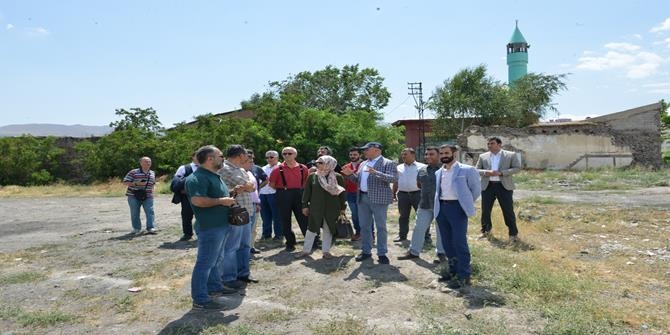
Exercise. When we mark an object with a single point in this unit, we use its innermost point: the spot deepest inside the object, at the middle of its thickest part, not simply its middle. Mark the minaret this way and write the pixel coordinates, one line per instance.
(517, 56)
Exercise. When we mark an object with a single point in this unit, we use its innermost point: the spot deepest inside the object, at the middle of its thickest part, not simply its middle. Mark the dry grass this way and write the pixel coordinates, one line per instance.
(111, 188)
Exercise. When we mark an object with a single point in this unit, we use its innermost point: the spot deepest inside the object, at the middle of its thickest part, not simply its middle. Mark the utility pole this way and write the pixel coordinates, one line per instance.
(416, 91)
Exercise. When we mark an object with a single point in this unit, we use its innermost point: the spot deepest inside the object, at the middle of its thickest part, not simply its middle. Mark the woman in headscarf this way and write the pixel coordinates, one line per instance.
(323, 200)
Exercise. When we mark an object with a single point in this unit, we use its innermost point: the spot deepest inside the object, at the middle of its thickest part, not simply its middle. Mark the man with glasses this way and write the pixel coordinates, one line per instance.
(289, 180)
(210, 200)
(236, 254)
(269, 210)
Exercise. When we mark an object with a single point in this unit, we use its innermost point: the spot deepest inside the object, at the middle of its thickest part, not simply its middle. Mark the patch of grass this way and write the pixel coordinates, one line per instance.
(348, 326)
(36, 318)
(540, 200)
(229, 330)
(593, 179)
(274, 315)
(125, 304)
(21, 277)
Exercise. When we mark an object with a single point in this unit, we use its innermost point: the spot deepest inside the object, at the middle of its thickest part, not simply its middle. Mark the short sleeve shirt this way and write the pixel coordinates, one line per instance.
(205, 183)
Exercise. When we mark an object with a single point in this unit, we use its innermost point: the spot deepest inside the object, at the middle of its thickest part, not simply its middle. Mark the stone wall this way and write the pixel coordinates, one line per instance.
(619, 139)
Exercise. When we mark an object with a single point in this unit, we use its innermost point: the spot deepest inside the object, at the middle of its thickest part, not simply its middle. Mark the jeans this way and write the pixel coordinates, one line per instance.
(236, 253)
(148, 205)
(270, 215)
(453, 225)
(206, 275)
(424, 217)
(369, 213)
(353, 206)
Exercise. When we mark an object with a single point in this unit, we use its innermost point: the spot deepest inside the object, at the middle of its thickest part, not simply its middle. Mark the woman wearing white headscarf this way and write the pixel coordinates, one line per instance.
(323, 199)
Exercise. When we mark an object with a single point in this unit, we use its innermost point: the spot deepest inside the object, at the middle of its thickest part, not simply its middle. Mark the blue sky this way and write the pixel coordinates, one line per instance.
(74, 62)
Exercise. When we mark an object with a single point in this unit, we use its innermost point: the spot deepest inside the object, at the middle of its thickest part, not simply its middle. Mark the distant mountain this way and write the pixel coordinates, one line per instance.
(58, 130)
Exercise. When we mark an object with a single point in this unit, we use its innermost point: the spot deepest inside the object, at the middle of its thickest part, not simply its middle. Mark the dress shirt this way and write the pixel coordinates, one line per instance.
(448, 192)
(407, 176)
(495, 165)
(364, 174)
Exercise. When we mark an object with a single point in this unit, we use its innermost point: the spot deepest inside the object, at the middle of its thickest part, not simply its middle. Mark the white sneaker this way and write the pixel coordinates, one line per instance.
(152, 231)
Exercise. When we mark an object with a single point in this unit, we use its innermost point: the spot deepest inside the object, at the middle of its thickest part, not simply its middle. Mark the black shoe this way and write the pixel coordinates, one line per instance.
(254, 251)
(208, 305)
(363, 257)
(441, 258)
(399, 239)
(185, 238)
(290, 248)
(448, 277)
(407, 256)
(277, 238)
(428, 240)
(455, 284)
(383, 260)
(235, 284)
(224, 291)
(248, 279)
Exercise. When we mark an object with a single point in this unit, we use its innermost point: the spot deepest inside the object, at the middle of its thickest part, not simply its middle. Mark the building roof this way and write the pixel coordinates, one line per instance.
(517, 36)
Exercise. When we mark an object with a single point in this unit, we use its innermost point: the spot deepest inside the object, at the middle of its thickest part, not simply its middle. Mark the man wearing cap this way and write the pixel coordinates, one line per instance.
(374, 178)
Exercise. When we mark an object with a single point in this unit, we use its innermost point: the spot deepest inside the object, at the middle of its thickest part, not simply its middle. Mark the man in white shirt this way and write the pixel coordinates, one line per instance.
(406, 191)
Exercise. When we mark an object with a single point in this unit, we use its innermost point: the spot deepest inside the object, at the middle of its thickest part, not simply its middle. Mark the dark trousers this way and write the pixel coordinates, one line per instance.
(407, 201)
(453, 225)
(505, 198)
(186, 216)
(290, 201)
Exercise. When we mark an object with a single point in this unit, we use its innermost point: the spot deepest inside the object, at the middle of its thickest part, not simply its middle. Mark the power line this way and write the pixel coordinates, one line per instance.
(416, 91)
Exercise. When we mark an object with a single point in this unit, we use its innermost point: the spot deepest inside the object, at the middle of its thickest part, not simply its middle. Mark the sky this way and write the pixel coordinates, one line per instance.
(75, 62)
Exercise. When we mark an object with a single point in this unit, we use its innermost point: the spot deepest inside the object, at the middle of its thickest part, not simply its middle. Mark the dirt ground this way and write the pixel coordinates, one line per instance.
(86, 261)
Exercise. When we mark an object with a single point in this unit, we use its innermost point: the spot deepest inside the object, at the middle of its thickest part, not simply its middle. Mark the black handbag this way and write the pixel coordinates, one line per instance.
(238, 215)
(344, 228)
(140, 195)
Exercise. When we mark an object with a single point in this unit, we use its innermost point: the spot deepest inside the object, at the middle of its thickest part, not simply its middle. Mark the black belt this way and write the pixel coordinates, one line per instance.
(410, 192)
(363, 192)
(448, 201)
(494, 182)
(288, 189)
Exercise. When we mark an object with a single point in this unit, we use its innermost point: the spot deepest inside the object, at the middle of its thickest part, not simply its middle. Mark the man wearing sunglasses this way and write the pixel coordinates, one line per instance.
(269, 210)
(289, 179)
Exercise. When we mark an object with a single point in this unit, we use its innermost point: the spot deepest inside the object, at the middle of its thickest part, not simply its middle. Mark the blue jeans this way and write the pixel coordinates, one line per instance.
(369, 213)
(148, 205)
(453, 225)
(270, 216)
(353, 206)
(206, 272)
(236, 253)
(424, 217)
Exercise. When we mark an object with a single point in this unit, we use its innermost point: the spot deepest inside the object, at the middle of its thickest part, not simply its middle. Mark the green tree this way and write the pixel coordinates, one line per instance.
(337, 90)
(134, 136)
(28, 160)
(473, 97)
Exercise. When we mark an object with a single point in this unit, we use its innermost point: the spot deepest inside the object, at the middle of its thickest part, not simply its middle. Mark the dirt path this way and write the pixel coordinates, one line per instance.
(80, 249)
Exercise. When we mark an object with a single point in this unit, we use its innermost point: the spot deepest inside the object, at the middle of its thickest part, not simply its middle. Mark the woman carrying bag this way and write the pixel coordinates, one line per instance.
(323, 200)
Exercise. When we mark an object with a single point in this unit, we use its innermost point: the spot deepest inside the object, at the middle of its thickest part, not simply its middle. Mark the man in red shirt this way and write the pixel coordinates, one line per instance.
(352, 189)
(289, 178)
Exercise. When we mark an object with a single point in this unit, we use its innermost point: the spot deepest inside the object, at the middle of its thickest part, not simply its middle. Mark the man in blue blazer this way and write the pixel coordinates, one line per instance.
(458, 186)
(374, 178)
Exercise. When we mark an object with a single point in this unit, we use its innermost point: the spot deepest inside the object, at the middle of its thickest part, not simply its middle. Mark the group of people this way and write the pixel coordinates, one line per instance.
(316, 194)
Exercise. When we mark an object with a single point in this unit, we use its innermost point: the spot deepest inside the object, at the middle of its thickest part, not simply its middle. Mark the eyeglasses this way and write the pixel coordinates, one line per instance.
(270, 157)
(287, 153)
(318, 163)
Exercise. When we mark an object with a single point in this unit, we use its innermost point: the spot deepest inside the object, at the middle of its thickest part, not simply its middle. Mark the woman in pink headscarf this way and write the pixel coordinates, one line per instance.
(323, 199)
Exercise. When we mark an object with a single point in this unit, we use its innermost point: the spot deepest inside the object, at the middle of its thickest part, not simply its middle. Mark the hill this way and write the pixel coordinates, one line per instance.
(59, 130)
